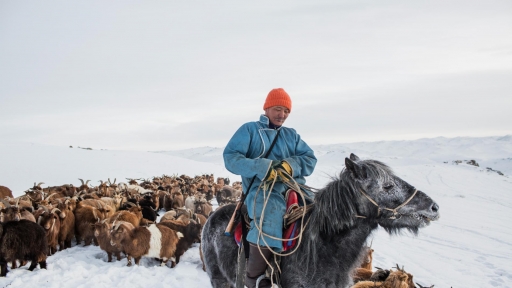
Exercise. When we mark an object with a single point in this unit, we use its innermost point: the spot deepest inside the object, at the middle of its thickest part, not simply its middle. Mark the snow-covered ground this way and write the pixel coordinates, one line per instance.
(469, 246)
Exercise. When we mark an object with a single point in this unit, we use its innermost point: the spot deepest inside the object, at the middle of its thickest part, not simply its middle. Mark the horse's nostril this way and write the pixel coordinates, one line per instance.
(435, 207)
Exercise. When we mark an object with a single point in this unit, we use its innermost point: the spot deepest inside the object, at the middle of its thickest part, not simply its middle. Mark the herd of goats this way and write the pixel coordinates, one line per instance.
(123, 218)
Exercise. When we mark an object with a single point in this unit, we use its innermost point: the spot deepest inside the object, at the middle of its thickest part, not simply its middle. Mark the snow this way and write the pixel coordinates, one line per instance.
(470, 245)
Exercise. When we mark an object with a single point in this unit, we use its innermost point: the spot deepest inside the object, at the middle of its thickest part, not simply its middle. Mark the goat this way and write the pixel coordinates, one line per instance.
(202, 206)
(177, 200)
(190, 203)
(102, 234)
(67, 224)
(22, 240)
(133, 216)
(113, 202)
(50, 221)
(191, 233)
(5, 192)
(148, 207)
(84, 217)
(157, 241)
(396, 279)
(364, 271)
(15, 212)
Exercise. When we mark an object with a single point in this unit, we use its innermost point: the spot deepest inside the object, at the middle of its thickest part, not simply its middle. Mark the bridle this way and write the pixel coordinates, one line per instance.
(394, 211)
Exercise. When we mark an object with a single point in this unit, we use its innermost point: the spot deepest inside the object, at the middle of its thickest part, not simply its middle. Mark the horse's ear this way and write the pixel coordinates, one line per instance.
(355, 168)
(354, 157)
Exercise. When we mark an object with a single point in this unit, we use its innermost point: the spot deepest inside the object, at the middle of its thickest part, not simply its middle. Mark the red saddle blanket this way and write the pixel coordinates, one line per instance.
(292, 202)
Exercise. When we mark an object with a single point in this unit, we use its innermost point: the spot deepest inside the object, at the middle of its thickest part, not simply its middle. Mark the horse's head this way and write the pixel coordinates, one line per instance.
(395, 203)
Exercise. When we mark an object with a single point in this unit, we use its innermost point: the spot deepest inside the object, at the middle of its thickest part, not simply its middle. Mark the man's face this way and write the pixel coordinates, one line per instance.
(277, 114)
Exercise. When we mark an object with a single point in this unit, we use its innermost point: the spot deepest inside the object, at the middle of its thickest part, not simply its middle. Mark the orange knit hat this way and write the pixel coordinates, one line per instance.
(278, 97)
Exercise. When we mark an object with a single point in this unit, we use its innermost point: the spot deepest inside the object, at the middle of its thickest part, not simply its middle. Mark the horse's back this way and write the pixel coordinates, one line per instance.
(219, 251)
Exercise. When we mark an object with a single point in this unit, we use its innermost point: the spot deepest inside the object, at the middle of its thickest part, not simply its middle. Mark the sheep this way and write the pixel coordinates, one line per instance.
(22, 240)
(102, 234)
(157, 241)
(5, 192)
(50, 221)
(67, 224)
(191, 232)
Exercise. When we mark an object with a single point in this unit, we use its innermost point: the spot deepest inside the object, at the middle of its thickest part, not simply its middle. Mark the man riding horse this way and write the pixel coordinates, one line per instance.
(266, 206)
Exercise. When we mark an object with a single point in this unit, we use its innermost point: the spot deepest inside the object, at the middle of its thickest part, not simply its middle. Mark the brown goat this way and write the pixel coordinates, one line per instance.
(102, 234)
(133, 216)
(396, 279)
(191, 233)
(157, 241)
(10, 212)
(364, 271)
(5, 192)
(177, 200)
(85, 216)
(203, 207)
(50, 221)
(67, 224)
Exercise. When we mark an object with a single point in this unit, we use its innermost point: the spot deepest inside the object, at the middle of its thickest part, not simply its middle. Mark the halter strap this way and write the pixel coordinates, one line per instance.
(395, 212)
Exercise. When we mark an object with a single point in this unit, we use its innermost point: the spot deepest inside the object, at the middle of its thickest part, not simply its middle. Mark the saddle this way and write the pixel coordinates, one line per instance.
(291, 227)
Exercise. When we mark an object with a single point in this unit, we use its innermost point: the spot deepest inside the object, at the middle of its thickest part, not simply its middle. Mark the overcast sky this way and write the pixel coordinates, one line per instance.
(163, 75)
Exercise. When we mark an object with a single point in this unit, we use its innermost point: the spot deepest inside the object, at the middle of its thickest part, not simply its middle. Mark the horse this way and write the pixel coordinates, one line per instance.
(365, 195)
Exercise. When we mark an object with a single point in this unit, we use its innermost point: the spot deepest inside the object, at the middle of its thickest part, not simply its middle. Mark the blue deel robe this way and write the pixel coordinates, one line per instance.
(243, 156)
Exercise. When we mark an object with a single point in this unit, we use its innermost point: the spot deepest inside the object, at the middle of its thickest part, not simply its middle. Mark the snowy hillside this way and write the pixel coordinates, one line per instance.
(470, 246)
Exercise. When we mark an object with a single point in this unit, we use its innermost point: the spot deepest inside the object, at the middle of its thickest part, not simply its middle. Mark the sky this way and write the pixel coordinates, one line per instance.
(163, 75)
(468, 246)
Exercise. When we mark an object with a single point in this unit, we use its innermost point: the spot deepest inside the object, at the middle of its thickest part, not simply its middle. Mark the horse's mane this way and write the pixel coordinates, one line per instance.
(337, 204)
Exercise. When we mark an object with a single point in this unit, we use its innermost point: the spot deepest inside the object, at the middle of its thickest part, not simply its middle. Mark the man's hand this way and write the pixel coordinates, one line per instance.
(276, 170)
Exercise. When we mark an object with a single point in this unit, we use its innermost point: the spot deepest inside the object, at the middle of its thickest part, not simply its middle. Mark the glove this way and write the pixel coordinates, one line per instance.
(275, 170)
(272, 173)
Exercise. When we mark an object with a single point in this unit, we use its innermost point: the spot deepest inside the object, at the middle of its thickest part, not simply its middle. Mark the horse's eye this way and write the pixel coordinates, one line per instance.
(388, 186)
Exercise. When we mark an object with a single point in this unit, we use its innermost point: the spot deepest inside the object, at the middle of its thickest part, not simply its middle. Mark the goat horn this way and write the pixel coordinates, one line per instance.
(81, 181)
(17, 202)
(56, 209)
(114, 181)
(87, 182)
(117, 225)
(40, 183)
(48, 198)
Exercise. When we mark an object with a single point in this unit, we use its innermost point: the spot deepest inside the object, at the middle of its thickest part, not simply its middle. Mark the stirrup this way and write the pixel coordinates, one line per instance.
(263, 276)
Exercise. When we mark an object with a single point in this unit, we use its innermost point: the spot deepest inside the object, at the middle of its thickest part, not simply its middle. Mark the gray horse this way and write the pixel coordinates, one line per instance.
(345, 212)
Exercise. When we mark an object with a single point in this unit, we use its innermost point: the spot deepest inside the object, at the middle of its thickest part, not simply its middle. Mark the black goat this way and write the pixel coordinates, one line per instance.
(22, 240)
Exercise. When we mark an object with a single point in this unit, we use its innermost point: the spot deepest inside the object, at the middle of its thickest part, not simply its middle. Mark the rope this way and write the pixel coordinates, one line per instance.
(266, 189)
(395, 211)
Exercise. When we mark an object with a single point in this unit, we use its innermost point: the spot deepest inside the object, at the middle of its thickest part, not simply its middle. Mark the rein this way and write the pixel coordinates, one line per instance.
(395, 212)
